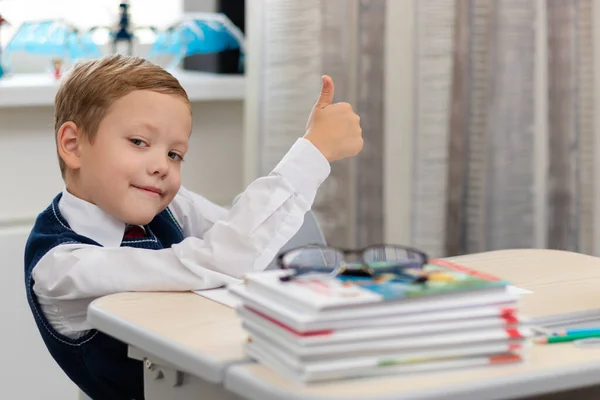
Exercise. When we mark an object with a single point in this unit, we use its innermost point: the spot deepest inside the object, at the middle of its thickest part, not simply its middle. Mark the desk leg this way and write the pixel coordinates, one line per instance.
(165, 383)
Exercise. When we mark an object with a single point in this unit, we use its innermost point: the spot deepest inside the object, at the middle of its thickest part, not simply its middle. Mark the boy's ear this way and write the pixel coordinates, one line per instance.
(68, 142)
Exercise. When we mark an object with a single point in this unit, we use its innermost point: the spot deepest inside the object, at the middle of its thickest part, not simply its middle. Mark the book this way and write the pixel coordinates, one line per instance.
(317, 293)
(567, 319)
(392, 344)
(491, 304)
(374, 358)
(324, 372)
(373, 332)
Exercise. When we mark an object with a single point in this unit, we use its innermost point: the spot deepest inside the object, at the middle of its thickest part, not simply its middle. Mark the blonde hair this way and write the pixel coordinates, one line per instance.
(91, 87)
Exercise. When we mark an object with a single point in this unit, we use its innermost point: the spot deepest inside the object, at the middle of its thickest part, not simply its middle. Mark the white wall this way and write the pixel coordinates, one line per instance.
(27, 371)
(200, 5)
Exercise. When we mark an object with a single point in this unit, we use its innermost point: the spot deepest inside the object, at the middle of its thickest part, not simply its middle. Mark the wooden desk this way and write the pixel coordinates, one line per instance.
(561, 281)
(192, 334)
(174, 332)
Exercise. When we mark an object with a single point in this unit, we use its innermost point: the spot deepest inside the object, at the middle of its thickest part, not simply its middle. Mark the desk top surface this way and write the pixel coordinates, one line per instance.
(203, 337)
(539, 374)
(562, 282)
(184, 329)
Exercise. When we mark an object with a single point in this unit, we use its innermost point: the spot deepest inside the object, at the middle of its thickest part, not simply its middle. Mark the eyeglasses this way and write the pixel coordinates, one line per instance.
(404, 262)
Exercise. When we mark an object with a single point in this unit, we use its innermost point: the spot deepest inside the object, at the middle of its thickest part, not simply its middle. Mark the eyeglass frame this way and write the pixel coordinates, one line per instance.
(364, 267)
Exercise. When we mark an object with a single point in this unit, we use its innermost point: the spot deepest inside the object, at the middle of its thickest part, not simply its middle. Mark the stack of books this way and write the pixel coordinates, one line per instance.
(320, 327)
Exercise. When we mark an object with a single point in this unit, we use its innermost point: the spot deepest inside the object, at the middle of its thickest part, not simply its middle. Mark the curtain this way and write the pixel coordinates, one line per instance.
(301, 41)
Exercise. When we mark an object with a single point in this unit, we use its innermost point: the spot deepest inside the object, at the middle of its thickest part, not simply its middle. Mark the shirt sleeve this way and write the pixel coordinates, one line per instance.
(222, 245)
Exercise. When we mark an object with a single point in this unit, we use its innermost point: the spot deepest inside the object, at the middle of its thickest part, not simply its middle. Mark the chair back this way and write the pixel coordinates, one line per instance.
(309, 233)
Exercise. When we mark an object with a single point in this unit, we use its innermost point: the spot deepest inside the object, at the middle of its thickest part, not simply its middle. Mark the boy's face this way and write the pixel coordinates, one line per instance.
(133, 168)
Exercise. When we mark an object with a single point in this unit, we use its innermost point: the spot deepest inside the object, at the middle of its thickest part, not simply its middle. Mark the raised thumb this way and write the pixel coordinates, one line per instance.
(326, 96)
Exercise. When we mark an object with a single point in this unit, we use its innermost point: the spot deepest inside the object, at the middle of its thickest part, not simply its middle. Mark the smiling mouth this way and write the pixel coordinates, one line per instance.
(149, 190)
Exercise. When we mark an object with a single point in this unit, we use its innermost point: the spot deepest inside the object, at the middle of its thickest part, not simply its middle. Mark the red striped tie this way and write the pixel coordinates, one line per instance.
(134, 232)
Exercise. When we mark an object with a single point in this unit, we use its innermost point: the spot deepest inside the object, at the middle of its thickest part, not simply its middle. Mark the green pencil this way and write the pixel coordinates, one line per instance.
(566, 338)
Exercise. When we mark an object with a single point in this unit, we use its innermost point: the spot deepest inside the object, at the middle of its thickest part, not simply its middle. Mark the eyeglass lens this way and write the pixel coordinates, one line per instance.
(328, 258)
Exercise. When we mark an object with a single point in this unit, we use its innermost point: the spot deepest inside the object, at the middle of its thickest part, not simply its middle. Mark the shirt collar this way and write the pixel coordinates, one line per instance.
(89, 220)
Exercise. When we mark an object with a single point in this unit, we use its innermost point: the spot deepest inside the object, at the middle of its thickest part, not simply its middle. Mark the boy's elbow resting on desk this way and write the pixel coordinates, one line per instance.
(71, 272)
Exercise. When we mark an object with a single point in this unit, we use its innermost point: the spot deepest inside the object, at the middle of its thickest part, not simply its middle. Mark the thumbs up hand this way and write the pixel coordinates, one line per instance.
(333, 128)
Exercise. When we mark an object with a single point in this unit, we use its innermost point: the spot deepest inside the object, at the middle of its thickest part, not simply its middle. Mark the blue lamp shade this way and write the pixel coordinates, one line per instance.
(198, 34)
(53, 38)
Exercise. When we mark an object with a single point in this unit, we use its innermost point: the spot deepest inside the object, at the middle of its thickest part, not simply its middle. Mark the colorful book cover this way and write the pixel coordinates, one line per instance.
(438, 276)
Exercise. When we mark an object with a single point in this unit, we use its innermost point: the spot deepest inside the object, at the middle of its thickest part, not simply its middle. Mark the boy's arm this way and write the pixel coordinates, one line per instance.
(264, 202)
(80, 271)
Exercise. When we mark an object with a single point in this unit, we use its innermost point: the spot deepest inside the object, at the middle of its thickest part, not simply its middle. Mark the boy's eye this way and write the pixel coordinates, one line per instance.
(138, 142)
(175, 156)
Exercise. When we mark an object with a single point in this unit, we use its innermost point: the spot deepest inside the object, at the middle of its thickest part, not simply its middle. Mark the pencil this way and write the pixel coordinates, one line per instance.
(563, 332)
(566, 338)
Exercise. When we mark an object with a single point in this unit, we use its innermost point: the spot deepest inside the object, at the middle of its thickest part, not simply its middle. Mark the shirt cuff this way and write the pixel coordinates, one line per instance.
(305, 167)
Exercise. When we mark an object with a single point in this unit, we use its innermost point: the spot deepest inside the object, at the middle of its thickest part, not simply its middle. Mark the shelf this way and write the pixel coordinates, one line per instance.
(29, 90)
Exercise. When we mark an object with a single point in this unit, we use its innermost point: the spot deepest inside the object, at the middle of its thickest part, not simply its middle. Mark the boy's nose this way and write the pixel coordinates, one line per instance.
(159, 166)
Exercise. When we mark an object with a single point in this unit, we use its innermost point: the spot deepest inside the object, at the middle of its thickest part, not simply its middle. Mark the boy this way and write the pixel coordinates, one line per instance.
(124, 223)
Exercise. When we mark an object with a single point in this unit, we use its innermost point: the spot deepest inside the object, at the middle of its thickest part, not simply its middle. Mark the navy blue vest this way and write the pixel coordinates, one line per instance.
(96, 362)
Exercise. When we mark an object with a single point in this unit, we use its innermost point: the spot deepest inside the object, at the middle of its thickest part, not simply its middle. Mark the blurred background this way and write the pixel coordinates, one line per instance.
(480, 117)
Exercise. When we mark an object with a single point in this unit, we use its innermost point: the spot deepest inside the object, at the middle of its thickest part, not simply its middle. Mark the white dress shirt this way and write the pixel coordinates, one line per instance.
(220, 245)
